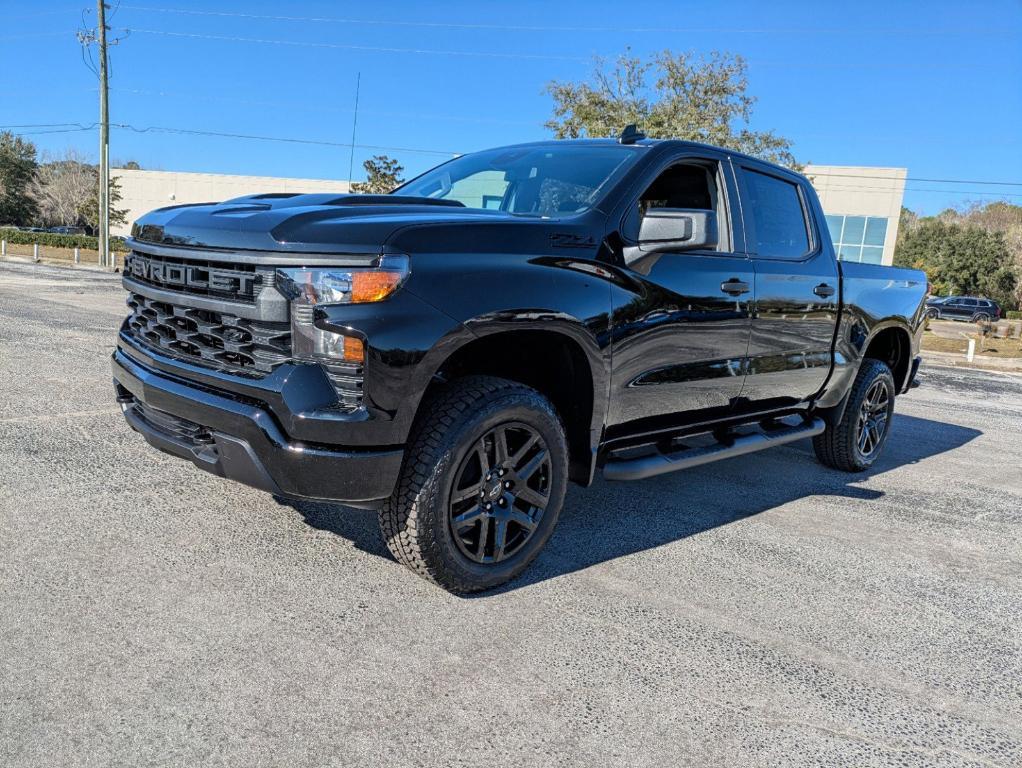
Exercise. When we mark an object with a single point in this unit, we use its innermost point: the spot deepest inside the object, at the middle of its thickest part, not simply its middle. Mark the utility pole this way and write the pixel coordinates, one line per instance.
(105, 257)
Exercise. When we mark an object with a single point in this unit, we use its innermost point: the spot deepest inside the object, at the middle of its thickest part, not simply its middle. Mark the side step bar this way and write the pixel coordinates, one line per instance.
(641, 467)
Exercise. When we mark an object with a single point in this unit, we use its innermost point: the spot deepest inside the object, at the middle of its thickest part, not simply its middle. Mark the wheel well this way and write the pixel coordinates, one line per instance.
(549, 362)
(891, 346)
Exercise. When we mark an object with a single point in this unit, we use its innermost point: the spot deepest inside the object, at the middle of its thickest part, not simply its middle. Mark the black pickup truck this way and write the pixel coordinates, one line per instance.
(453, 353)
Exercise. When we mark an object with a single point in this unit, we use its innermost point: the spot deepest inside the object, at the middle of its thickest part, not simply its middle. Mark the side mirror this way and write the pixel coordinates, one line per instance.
(677, 229)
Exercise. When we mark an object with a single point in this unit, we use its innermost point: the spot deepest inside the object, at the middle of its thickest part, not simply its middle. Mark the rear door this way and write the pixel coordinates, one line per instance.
(797, 289)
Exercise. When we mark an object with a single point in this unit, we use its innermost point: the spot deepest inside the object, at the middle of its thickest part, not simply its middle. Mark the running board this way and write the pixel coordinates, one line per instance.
(650, 465)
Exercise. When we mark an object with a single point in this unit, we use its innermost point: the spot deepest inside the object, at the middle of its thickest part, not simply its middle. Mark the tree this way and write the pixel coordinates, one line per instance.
(62, 189)
(999, 217)
(90, 213)
(66, 192)
(960, 259)
(132, 165)
(692, 97)
(383, 174)
(17, 165)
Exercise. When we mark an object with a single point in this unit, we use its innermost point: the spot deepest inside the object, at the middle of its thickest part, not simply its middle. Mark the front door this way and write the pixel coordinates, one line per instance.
(797, 292)
(681, 331)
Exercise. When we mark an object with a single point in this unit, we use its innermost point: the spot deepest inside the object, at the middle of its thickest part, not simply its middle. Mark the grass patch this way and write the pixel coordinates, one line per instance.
(992, 347)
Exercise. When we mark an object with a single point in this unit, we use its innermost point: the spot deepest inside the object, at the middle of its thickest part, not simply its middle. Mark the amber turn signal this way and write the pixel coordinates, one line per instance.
(354, 349)
(373, 286)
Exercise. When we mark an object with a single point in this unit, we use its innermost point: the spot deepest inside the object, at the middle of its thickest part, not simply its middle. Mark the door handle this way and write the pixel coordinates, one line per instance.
(823, 290)
(734, 287)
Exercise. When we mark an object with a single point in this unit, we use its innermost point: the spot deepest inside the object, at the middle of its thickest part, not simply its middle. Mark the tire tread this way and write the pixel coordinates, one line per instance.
(409, 539)
(835, 447)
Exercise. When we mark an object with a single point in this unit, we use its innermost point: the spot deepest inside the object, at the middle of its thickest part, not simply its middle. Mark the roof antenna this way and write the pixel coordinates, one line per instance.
(630, 134)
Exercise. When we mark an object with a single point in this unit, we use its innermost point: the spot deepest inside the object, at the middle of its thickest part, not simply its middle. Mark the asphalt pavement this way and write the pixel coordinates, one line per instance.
(763, 611)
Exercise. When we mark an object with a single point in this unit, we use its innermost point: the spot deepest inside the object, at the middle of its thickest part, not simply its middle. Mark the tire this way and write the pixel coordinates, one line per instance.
(981, 317)
(933, 314)
(843, 446)
(435, 520)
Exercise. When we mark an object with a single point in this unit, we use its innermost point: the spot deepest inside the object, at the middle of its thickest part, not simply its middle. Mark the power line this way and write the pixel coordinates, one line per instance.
(882, 190)
(538, 28)
(343, 46)
(40, 13)
(288, 140)
(70, 32)
(56, 130)
(72, 127)
(527, 56)
(324, 109)
(41, 125)
(917, 178)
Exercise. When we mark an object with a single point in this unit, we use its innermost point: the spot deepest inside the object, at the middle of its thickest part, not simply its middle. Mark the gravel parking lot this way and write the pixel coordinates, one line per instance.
(763, 611)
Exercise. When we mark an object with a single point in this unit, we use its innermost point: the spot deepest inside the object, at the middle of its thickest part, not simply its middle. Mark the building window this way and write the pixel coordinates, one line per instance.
(858, 238)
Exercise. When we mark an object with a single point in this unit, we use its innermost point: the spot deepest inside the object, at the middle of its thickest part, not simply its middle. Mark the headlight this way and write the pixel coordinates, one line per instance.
(343, 285)
(309, 287)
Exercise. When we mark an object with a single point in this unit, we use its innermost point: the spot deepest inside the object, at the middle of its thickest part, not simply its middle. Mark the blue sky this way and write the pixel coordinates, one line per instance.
(932, 86)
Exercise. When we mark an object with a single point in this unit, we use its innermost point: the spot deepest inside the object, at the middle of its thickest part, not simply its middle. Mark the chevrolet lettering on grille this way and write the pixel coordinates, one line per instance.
(241, 284)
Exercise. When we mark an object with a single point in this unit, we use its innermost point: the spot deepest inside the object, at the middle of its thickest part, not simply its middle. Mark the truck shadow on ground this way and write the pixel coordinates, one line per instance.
(612, 520)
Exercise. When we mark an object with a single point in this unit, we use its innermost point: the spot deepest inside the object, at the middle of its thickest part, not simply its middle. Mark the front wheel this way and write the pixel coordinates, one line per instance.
(855, 442)
(481, 487)
(932, 314)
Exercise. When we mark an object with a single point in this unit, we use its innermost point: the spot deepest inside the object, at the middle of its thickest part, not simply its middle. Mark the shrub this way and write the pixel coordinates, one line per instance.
(1013, 314)
(19, 237)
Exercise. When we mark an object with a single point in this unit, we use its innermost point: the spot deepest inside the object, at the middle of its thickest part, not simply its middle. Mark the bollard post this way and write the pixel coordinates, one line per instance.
(972, 351)
(35, 252)
(3, 249)
(78, 256)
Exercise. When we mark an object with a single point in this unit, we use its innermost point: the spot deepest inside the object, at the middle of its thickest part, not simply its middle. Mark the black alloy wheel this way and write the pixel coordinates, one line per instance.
(481, 487)
(500, 493)
(874, 419)
(855, 440)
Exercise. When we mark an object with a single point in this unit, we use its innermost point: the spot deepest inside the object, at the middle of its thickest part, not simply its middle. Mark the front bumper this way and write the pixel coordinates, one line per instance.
(239, 438)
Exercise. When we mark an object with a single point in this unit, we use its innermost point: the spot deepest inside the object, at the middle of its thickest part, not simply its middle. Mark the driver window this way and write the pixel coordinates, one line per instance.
(690, 186)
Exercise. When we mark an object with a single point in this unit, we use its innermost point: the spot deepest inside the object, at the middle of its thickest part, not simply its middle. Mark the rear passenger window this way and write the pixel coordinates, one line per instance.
(777, 215)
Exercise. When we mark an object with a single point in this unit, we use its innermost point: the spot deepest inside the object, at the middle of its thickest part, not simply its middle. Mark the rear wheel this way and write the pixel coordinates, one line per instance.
(481, 487)
(855, 442)
(982, 317)
(932, 314)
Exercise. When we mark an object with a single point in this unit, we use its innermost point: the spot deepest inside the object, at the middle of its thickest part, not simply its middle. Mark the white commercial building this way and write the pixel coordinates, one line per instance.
(862, 204)
(143, 191)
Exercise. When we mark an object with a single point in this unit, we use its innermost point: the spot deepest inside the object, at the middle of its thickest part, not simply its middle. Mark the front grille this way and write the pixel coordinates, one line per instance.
(200, 277)
(236, 344)
(213, 339)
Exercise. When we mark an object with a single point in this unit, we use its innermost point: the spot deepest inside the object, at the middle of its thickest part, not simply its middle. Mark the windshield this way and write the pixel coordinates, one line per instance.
(532, 181)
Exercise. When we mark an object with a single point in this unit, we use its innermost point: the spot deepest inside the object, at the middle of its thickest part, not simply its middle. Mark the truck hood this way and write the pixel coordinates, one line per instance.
(328, 224)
